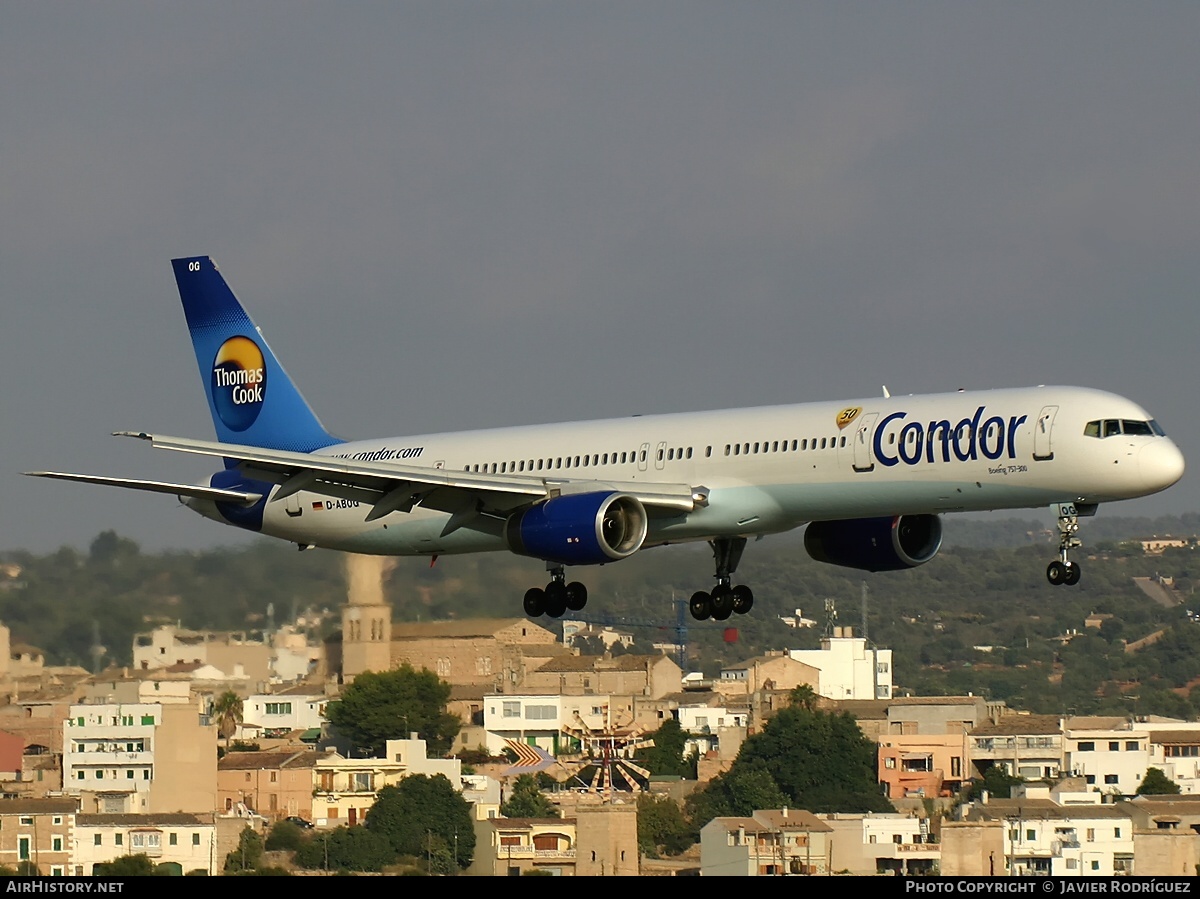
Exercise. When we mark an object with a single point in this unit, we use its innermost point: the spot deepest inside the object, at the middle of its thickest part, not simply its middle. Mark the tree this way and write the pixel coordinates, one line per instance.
(227, 709)
(527, 800)
(140, 865)
(737, 792)
(805, 758)
(996, 781)
(285, 835)
(420, 810)
(346, 849)
(1156, 783)
(821, 761)
(662, 826)
(666, 755)
(248, 853)
(388, 705)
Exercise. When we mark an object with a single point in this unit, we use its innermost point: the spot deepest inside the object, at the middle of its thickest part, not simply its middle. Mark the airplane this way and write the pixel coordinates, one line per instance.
(869, 479)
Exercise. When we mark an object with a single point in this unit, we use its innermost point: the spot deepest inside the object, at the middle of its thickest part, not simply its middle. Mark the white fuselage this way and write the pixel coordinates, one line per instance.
(770, 469)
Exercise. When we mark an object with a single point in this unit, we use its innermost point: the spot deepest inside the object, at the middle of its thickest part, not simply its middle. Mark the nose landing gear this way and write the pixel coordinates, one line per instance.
(1062, 570)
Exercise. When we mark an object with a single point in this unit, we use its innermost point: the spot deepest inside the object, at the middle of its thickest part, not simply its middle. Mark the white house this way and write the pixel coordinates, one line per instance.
(188, 841)
(850, 669)
(275, 714)
(1044, 838)
(1110, 754)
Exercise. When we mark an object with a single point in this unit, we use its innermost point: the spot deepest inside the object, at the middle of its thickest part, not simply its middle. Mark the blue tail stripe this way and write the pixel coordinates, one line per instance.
(252, 400)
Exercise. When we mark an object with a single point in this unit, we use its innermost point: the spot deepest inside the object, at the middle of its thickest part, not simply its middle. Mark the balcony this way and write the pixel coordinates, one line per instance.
(528, 852)
(109, 759)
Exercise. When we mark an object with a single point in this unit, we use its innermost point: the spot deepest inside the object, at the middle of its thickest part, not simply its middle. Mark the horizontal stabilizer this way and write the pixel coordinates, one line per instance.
(192, 490)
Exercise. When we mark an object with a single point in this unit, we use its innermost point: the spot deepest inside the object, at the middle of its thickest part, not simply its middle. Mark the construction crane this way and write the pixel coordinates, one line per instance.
(680, 626)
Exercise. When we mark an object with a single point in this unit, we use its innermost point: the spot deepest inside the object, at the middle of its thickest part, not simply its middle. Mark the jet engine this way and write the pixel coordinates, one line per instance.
(875, 544)
(579, 529)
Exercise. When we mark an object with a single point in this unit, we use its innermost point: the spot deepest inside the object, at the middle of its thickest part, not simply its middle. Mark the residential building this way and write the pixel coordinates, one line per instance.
(908, 715)
(241, 654)
(546, 720)
(274, 783)
(921, 766)
(1177, 754)
(128, 758)
(120, 685)
(849, 668)
(1111, 754)
(1026, 746)
(185, 843)
(882, 843)
(514, 846)
(773, 671)
(1041, 837)
(705, 724)
(276, 714)
(598, 840)
(37, 831)
(344, 789)
(483, 651)
(650, 676)
(769, 843)
(1165, 841)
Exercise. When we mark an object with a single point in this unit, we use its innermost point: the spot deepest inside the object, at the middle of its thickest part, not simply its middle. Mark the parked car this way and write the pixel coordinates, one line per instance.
(299, 822)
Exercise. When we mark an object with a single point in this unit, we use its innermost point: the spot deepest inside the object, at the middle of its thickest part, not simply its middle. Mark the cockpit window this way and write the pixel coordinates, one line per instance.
(1111, 427)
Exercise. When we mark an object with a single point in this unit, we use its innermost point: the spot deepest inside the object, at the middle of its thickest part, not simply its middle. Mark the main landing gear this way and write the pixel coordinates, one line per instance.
(557, 598)
(724, 599)
(1062, 570)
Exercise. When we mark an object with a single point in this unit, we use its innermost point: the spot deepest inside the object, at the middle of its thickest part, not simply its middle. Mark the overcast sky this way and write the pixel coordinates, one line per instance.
(453, 215)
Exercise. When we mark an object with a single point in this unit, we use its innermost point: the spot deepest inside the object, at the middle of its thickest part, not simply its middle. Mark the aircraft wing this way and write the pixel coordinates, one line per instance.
(214, 493)
(388, 487)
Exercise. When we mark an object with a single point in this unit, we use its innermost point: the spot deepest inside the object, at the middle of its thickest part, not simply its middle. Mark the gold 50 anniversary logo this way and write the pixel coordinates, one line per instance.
(847, 415)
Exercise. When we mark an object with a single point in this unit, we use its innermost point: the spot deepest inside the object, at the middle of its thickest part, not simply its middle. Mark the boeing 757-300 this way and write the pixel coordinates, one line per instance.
(868, 478)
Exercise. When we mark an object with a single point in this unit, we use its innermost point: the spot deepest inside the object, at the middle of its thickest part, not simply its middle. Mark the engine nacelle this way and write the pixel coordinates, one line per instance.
(875, 544)
(579, 529)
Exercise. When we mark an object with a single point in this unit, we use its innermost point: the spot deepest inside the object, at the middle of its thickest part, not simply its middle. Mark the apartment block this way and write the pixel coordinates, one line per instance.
(849, 668)
(1110, 754)
(140, 757)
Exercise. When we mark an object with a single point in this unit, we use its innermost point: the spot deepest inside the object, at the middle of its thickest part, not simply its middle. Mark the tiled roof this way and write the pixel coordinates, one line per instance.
(38, 806)
(599, 664)
(467, 627)
(175, 819)
(1014, 725)
(254, 761)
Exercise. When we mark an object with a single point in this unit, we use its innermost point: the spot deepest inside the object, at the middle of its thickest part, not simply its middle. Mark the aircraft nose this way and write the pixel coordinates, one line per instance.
(1160, 464)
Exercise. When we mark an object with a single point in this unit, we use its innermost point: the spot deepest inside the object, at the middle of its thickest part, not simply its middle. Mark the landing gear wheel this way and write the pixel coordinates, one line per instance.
(535, 602)
(700, 605)
(556, 599)
(576, 596)
(743, 599)
(722, 602)
(1056, 573)
(1073, 574)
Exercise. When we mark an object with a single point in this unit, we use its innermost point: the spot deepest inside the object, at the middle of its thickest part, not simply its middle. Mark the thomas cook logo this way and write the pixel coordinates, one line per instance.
(239, 381)
(847, 415)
